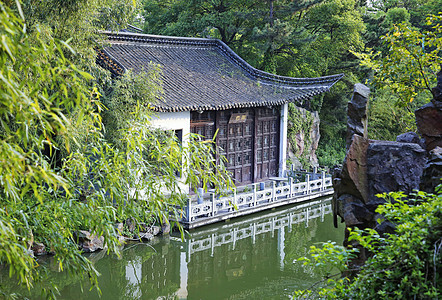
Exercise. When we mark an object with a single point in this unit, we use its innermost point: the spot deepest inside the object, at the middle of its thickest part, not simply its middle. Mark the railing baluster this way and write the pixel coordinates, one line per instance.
(190, 209)
(254, 194)
(323, 180)
(234, 200)
(291, 186)
(212, 199)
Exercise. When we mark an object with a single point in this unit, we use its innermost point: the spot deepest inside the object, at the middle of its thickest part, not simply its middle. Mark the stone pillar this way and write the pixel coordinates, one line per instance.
(357, 113)
(283, 139)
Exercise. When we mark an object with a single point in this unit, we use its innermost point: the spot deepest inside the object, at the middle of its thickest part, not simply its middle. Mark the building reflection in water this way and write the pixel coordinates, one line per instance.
(251, 257)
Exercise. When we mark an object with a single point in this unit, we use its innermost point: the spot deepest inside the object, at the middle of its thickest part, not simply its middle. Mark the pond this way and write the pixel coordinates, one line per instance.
(249, 258)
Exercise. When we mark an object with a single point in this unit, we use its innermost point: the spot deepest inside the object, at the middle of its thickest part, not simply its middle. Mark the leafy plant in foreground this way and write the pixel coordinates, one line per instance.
(48, 104)
(402, 265)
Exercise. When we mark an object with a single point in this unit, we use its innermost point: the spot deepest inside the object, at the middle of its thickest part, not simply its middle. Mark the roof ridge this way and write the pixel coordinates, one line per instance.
(162, 39)
(227, 51)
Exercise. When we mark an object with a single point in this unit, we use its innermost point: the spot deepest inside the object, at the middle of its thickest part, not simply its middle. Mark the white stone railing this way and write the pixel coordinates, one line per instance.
(256, 197)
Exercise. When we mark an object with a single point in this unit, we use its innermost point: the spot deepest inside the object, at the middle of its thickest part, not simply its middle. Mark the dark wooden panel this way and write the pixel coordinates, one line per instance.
(236, 135)
(249, 139)
(266, 143)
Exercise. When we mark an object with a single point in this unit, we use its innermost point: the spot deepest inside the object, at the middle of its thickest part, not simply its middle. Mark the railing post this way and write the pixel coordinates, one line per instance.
(273, 191)
(234, 200)
(212, 199)
(254, 194)
(290, 189)
(308, 184)
(200, 193)
(189, 206)
(323, 180)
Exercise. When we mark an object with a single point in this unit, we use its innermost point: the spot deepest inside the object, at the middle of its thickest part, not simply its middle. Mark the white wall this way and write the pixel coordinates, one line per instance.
(283, 139)
(174, 121)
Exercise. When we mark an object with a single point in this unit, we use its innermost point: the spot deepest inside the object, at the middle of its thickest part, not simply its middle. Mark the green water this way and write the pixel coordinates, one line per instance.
(251, 258)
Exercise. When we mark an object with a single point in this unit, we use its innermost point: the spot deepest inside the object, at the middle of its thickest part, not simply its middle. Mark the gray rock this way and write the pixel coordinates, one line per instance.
(354, 169)
(353, 211)
(393, 166)
(155, 230)
(432, 173)
(165, 228)
(122, 239)
(315, 136)
(151, 229)
(357, 113)
(119, 227)
(306, 143)
(39, 249)
(89, 242)
(383, 226)
(411, 137)
(429, 124)
(146, 236)
(130, 224)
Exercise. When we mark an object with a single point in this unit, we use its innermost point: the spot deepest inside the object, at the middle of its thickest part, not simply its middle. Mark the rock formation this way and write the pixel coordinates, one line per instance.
(375, 167)
(429, 117)
(305, 143)
(357, 113)
(433, 171)
(89, 242)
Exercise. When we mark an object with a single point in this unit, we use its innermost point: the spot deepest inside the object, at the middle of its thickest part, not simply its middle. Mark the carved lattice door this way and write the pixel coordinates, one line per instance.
(266, 143)
(203, 123)
(248, 139)
(235, 137)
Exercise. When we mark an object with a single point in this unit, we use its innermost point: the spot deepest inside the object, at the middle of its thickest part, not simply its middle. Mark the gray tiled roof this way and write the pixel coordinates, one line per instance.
(205, 74)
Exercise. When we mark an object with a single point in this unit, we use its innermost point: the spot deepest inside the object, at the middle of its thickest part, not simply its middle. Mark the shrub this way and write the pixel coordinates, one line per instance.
(402, 265)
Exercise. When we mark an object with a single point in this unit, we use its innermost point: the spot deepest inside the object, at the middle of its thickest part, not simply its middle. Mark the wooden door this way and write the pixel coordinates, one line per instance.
(235, 137)
(203, 123)
(266, 143)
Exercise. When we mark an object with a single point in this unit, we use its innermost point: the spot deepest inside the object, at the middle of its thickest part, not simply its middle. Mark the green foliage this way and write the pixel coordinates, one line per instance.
(332, 155)
(300, 124)
(386, 120)
(60, 175)
(329, 258)
(128, 93)
(333, 115)
(402, 265)
(38, 86)
(78, 21)
(409, 66)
